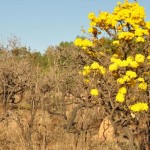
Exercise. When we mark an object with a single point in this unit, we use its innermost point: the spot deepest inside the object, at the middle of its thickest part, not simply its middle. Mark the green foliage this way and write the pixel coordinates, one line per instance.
(38, 59)
(65, 44)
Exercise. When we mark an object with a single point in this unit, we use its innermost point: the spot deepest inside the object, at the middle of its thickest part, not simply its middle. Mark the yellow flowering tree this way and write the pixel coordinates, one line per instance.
(120, 77)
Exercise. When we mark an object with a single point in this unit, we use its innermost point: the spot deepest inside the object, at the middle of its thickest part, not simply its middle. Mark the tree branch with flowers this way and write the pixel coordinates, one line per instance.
(119, 78)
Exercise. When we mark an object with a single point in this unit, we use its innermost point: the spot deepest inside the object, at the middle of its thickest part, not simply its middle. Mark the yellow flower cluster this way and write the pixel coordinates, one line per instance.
(120, 97)
(102, 20)
(127, 10)
(130, 61)
(125, 23)
(125, 35)
(142, 84)
(131, 74)
(128, 77)
(139, 58)
(84, 43)
(141, 32)
(148, 25)
(138, 107)
(91, 16)
(93, 30)
(140, 39)
(131, 19)
(86, 71)
(94, 92)
(95, 66)
(113, 67)
(116, 42)
(127, 20)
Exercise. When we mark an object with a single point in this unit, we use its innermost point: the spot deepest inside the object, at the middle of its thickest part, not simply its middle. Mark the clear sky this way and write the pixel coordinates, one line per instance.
(42, 23)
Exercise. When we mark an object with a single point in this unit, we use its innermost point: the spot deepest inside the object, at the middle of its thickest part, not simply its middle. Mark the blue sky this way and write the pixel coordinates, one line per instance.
(42, 23)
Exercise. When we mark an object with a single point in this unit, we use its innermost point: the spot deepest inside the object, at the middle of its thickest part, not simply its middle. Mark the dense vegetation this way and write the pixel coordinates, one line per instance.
(88, 94)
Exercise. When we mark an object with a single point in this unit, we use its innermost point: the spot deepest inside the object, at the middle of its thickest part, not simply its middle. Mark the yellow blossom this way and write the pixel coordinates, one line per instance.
(125, 35)
(94, 92)
(90, 30)
(123, 63)
(126, 78)
(148, 25)
(122, 90)
(113, 67)
(120, 97)
(78, 42)
(139, 107)
(130, 59)
(86, 70)
(121, 80)
(142, 86)
(95, 65)
(86, 67)
(134, 64)
(116, 61)
(92, 24)
(139, 58)
(141, 79)
(87, 43)
(140, 32)
(91, 15)
(131, 74)
(113, 59)
(116, 42)
(115, 56)
(84, 43)
(102, 70)
(140, 39)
